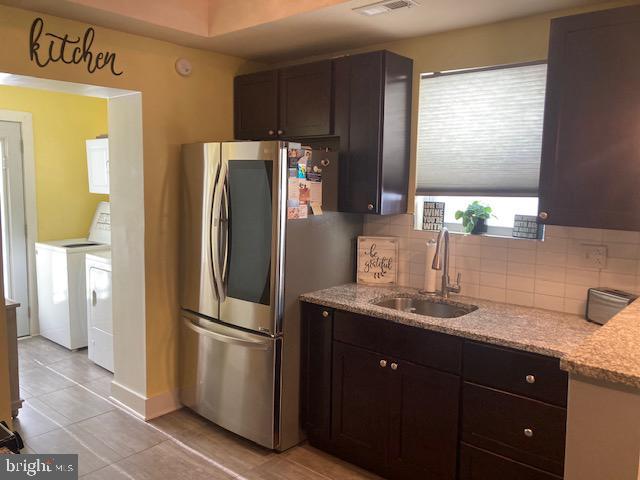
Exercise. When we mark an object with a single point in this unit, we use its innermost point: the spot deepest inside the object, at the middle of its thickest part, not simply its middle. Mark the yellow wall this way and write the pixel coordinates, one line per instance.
(61, 124)
(513, 41)
(176, 110)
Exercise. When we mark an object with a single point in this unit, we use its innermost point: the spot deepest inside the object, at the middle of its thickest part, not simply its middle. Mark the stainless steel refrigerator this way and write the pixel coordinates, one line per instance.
(243, 266)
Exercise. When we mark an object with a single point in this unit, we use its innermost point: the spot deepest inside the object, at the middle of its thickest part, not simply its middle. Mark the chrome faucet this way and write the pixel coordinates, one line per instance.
(441, 262)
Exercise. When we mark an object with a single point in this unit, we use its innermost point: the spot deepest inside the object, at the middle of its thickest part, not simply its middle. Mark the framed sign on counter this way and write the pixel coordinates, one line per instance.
(377, 260)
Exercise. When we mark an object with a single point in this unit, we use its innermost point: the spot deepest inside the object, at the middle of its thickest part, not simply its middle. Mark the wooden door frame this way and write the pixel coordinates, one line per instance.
(25, 119)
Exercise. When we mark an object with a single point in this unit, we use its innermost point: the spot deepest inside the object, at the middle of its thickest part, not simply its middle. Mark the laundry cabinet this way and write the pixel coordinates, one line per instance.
(99, 309)
(98, 165)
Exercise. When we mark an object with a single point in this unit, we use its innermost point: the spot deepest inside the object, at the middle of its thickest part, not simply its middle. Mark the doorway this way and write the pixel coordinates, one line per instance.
(14, 224)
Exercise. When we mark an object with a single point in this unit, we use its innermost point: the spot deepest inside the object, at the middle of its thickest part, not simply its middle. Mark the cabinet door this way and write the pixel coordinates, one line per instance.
(478, 464)
(424, 422)
(256, 106)
(305, 100)
(591, 146)
(98, 165)
(315, 402)
(358, 106)
(99, 316)
(360, 416)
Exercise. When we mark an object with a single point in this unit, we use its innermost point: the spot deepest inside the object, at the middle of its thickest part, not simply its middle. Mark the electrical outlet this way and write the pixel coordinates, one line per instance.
(593, 256)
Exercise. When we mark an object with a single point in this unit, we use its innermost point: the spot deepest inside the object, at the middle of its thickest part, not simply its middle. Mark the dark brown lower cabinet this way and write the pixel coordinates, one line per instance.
(478, 464)
(393, 417)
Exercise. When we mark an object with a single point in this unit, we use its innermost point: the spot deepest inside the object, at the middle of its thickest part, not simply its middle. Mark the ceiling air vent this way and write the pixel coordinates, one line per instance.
(385, 6)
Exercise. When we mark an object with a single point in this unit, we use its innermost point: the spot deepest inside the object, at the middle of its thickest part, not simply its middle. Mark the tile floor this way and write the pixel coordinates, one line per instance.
(67, 410)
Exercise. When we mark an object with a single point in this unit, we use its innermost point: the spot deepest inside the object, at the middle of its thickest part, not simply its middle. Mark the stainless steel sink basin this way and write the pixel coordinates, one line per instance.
(427, 306)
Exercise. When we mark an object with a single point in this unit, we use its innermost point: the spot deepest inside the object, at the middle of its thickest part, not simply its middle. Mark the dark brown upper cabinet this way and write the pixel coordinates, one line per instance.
(305, 100)
(256, 106)
(373, 120)
(591, 143)
(288, 103)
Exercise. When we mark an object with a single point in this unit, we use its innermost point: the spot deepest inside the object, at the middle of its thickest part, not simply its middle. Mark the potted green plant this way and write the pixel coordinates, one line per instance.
(474, 217)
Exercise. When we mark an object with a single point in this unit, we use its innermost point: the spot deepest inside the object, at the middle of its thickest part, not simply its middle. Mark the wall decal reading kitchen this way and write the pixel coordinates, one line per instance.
(68, 49)
(377, 260)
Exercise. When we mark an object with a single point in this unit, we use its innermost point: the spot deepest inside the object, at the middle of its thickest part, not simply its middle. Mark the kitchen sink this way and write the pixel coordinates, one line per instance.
(432, 307)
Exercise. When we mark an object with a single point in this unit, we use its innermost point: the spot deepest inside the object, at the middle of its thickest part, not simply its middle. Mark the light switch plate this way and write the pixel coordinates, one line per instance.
(593, 256)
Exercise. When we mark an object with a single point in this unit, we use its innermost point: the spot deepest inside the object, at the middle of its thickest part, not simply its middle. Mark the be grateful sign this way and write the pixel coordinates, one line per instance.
(377, 260)
(47, 47)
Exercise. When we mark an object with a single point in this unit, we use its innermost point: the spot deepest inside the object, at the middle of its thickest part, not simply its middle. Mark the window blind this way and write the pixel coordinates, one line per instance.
(480, 132)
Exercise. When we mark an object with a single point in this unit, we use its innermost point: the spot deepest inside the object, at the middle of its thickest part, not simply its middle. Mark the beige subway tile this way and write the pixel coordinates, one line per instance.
(521, 284)
(524, 299)
(620, 236)
(492, 293)
(495, 242)
(494, 253)
(522, 256)
(576, 292)
(493, 279)
(416, 281)
(553, 245)
(575, 307)
(551, 273)
(621, 265)
(468, 263)
(398, 230)
(470, 290)
(548, 302)
(554, 259)
(376, 229)
(591, 234)
(546, 287)
(618, 281)
(468, 239)
(469, 250)
(404, 219)
(493, 266)
(578, 261)
(522, 244)
(556, 231)
(578, 276)
(468, 276)
(522, 269)
(623, 250)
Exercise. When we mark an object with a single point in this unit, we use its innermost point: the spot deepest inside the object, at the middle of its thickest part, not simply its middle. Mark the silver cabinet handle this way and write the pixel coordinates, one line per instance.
(271, 132)
(94, 298)
(543, 215)
(280, 132)
(394, 366)
(528, 432)
(370, 206)
(383, 363)
(325, 314)
(530, 379)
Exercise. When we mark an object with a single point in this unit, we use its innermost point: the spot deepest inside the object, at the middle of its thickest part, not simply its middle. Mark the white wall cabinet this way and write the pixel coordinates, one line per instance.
(98, 165)
(99, 309)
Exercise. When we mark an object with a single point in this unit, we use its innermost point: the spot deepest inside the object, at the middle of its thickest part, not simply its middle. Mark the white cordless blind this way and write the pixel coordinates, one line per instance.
(480, 132)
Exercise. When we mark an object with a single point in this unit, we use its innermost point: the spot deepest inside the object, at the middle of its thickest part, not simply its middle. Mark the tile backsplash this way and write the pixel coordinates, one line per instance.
(549, 274)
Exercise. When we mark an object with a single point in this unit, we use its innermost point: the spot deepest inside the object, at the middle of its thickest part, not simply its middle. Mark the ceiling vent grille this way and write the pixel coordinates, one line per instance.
(385, 6)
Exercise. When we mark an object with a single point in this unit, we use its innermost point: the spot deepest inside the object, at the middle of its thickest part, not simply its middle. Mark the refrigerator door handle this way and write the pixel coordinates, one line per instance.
(226, 338)
(216, 218)
(225, 231)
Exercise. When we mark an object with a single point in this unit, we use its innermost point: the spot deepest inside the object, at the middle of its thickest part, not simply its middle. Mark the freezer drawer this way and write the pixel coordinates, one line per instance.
(228, 376)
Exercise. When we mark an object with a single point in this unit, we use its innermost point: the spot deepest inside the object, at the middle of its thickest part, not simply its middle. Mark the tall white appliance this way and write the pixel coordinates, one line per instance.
(61, 281)
(243, 266)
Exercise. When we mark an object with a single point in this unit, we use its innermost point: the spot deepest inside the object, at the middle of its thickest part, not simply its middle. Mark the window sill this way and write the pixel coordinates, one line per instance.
(494, 232)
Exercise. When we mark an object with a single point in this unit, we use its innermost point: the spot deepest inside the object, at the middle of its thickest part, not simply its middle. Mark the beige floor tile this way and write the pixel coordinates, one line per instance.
(111, 472)
(101, 386)
(122, 432)
(40, 381)
(180, 421)
(42, 350)
(168, 460)
(226, 448)
(31, 423)
(79, 369)
(326, 464)
(76, 403)
(279, 468)
(92, 453)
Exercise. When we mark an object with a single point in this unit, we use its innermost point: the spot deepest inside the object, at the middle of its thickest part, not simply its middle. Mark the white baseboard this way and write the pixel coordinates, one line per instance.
(144, 407)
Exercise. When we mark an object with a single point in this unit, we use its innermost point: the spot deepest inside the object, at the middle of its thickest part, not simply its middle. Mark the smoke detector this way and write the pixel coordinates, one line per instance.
(385, 6)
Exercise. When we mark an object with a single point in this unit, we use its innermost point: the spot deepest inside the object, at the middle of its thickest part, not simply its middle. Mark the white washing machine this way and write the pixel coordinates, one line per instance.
(61, 280)
(99, 308)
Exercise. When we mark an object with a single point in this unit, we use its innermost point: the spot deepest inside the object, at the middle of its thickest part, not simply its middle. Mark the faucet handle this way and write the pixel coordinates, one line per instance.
(455, 288)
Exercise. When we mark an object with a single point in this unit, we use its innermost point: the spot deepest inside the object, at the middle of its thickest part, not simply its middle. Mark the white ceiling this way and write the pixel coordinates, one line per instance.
(325, 30)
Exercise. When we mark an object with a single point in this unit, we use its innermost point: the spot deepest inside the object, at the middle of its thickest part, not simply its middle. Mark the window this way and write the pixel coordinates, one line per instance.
(480, 138)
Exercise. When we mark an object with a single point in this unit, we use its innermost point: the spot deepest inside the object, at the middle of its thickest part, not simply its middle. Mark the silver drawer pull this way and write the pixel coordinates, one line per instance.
(530, 379)
(528, 432)
(325, 314)
(394, 366)
(383, 363)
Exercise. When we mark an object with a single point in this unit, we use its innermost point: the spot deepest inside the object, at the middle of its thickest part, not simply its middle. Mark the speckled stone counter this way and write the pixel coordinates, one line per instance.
(533, 330)
(612, 354)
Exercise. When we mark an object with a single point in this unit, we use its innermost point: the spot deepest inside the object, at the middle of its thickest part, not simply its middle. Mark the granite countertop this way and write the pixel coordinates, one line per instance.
(612, 354)
(533, 330)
